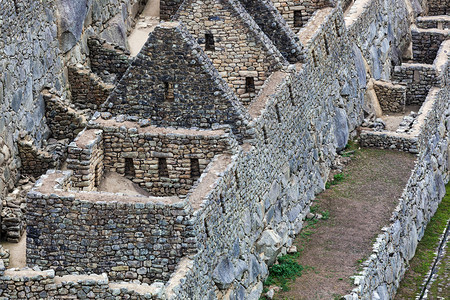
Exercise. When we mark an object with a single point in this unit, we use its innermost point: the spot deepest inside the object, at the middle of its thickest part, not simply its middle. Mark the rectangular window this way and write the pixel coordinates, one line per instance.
(129, 167)
(162, 168)
(314, 57)
(327, 49)
(168, 91)
(338, 32)
(209, 42)
(195, 168)
(249, 85)
(298, 22)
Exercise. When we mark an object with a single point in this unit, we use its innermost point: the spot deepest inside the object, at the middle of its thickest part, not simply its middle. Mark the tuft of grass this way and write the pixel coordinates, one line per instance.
(337, 178)
(285, 271)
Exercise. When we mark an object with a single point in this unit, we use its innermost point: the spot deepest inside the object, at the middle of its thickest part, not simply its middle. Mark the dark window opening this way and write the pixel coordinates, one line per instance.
(129, 167)
(298, 22)
(249, 85)
(97, 175)
(195, 168)
(168, 91)
(236, 178)
(209, 42)
(277, 111)
(291, 95)
(222, 204)
(264, 134)
(162, 168)
(327, 49)
(314, 58)
(16, 7)
(206, 228)
(337, 28)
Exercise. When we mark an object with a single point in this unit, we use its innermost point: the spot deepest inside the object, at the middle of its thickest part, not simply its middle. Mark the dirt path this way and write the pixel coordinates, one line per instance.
(145, 24)
(17, 252)
(358, 207)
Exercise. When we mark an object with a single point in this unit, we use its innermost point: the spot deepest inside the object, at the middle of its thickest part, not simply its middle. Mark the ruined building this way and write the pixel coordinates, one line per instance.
(180, 170)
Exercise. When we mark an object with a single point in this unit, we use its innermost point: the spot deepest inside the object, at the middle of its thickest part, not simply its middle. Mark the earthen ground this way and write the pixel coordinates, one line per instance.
(113, 182)
(17, 252)
(392, 120)
(358, 207)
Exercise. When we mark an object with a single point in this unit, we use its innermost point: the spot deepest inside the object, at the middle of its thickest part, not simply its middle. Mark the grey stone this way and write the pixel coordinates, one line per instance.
(224, 273)
(116, 32)
(71, 20)
(341, 128)
(270, 244)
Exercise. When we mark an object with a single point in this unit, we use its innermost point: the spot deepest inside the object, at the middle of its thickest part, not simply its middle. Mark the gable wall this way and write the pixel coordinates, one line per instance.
(241, 50)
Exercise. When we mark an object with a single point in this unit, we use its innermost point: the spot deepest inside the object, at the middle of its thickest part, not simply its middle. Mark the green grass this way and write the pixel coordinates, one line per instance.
(424, 256)
(285, 271)
(336, 180)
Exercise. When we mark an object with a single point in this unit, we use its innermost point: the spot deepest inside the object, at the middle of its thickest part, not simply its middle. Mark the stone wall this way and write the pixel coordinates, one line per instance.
(168, 8)
(88, 90)
(35, 161)
(438, 7)
(426, 43)
(261, 199)
(381, 30)
(397, 244)
(107, 59)
(418, 78)
(63, 121)
(126, 237)
(85, 158)
(110, 20)
(186, 153)
(298, 12)
(240, 51)
(392, 97)
(438, 22)
(29, 61)
(29, 284)
(275, 27)
(177, 86)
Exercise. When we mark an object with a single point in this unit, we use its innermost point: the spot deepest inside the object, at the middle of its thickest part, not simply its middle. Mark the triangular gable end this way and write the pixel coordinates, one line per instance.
(173, 83)
(241, 52)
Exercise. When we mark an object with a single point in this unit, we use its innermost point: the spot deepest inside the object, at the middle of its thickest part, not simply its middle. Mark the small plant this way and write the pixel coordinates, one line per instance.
(337, 178)
(285, 271)
(325, 215)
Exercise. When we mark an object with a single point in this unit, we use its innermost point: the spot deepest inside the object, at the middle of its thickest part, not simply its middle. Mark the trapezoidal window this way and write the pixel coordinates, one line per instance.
(249, 85)
(162, 168)
(129, 167)
(298, 22)
(209, 42)
(168, 91)
(195, 168)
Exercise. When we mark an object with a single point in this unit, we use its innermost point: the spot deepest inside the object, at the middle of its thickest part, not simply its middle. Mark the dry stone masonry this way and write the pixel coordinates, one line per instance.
(240, 51)
(223, 129)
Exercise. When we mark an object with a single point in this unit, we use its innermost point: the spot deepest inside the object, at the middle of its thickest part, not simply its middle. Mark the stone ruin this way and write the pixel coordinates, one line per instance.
(183, 172)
